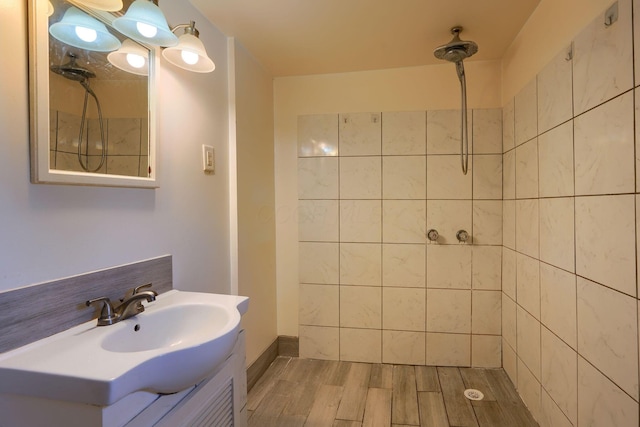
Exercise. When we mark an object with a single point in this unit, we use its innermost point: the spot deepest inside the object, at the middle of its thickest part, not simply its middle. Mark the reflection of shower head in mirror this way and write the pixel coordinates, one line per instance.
(72, 71)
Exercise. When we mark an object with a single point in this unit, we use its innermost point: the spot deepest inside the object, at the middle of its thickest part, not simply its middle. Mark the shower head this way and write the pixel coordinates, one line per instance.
(456, 50)
(72, 71)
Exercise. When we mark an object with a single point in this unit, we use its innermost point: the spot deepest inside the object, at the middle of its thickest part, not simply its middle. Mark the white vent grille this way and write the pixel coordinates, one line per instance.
(218, 410)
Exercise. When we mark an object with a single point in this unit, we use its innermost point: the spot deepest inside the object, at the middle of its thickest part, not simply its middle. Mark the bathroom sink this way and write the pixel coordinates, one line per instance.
(175, 343)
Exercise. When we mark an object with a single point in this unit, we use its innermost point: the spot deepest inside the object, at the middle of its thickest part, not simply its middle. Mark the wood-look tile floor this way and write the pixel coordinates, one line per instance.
(304, 392)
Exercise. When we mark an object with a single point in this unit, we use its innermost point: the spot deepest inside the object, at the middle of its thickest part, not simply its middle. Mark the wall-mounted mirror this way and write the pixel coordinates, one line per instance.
(92, 99)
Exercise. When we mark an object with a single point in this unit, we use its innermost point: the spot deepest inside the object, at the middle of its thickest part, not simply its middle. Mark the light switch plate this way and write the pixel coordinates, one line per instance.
(208, 159)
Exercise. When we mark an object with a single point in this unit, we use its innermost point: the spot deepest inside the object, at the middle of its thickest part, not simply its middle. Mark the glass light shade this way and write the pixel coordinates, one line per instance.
(76, 29)
(106, 5)
(50, 10)
(131, 57)
(194, 49)
(140, 15)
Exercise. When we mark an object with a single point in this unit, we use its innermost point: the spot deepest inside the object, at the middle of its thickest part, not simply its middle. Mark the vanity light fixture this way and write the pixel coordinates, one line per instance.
(145, 23)
(189, 54)
(131, 57)
(80, 30)
(106, 5)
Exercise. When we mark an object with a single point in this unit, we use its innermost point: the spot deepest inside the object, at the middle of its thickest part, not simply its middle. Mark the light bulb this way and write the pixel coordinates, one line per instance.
(86, 34)
(189, 57)
(135, 60)
(146, 30)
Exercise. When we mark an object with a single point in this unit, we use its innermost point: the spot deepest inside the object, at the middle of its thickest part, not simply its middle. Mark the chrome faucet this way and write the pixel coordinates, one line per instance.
(130, 306)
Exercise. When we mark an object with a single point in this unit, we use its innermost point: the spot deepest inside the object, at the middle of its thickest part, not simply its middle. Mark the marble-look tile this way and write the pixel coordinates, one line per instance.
(448, 349)
(403, 309)
(509, 224)
(529, 389)
(443, 131)
(526, 113)
(555, 99)
(509, 175)
(508, 126)
(487, 131)
(510, 362)
(445, 179)
(605, 241)
(360, 264)
(557, 232)
(603, 60)
(319, 305)
(608, 333)
(318, 135)
(449, 216)
(485, 309)
(403, 265)
(601, 402)
(124, 136)
(527, 237)
(360, 307)
(404, 177)
(404, 133)
(487, 177)
(317, 342)
(487, 222)
(360, 134)
(527, 170)
(360, 220)
(449, 310)
(528, 284)
(318, 220)
(361, 345)
(449, 266)
(67, 137)
(555, 161)
(119, 165)
(558, 303)
(403, 221)
(69, 162)
(528, 341)
(402, 347)
(361, 177)
(560, 374)
(486, 267)
(318, 262)
(486, 351)
(604, 148)
(318, 178)
(509, 273)
(509, 332)
(550, 414)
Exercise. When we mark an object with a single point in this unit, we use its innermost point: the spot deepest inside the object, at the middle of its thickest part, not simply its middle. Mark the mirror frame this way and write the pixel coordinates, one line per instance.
(39, 120)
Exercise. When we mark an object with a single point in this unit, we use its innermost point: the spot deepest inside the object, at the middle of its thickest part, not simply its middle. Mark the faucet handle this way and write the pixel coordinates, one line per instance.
(138, 288)
(107, 316)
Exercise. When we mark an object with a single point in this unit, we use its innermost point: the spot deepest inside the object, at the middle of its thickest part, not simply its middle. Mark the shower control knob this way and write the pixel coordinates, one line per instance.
(462, 236)
(432, 235)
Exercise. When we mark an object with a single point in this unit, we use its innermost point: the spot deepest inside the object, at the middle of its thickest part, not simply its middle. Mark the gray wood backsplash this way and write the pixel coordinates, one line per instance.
(35, 312)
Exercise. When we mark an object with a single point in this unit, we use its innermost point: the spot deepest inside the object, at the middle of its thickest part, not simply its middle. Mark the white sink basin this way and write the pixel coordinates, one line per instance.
(175, 343)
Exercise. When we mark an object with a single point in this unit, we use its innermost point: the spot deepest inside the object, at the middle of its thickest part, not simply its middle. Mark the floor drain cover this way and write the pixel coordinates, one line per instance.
(472, 394)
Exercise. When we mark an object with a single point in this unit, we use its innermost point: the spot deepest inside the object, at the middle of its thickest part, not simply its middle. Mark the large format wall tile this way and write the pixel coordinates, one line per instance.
(319, 262)
(360, 220)
(486, 351)
(360, 134)
(486, 267)
(487, 131)
(560, 374)
(403, 221)
(449, 266)
(508, 126)
(404, 133)
(403, 347)
(487, 177)
(403, 265)
(360, 345)
(527, 170)
(485, 309)
(550, 414)
(403, 309)
(555, 103)
(509, 175)
(604, 148)
(509, 332)
(318, 220)
(526, 114)
(487, 222)
(605, 241)
(557, 232)
(608, 333)
(360, 264)
(555, 161)
(449, 216)
(318, 135)
(527, 227)
(360, 307)
(509, 273)
(318, 178)
(528, 284)
(319, 342)
(443, 132)
(319, 305)
(449, 310)
(529, 388)
(558, 303)
(404, 177)
(361, 177)
(445, 179)
(603, 60)
(528, 341)
(448, 349)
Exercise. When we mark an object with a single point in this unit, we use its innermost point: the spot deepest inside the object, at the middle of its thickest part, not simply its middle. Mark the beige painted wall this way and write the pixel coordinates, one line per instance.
(549, 29)
(404, 89)
(253, 90)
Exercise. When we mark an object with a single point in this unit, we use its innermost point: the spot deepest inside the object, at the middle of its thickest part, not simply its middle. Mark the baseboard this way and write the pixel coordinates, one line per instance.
(281, 346)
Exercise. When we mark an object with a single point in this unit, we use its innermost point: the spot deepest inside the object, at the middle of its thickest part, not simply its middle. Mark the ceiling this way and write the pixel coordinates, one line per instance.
(301, 37)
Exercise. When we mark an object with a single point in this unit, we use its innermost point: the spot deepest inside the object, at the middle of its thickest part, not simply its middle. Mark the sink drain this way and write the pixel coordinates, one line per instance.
(473, 394)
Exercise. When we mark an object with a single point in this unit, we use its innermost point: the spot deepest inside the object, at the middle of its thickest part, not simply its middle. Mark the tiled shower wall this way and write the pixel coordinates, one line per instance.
(127, 148)
(571, 197)
(371, 288)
